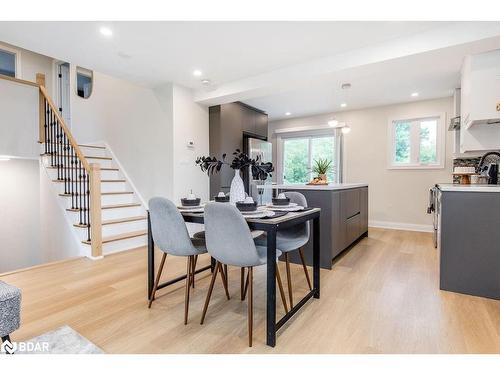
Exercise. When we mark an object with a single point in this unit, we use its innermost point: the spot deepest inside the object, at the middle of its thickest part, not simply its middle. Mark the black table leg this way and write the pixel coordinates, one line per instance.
(316, 269)
(151, 259)
(271, 287)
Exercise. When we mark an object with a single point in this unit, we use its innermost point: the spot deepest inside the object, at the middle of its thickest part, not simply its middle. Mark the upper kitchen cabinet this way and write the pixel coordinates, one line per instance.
(480, 102)
(227, 123)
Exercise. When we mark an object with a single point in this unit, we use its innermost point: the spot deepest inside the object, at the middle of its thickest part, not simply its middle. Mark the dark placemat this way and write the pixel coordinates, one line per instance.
(276, 214)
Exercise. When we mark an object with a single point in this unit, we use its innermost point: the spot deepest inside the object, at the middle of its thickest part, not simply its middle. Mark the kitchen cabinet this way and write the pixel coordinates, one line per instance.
(227, 122)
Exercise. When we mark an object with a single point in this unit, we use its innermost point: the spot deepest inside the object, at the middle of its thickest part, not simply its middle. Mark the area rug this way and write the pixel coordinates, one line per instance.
(63, 340)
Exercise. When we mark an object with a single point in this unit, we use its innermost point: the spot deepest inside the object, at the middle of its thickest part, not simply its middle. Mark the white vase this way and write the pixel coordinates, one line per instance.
(237, 192)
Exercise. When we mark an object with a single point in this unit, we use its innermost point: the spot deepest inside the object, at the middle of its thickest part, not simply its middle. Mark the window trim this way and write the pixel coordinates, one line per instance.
(440, 142)
(308, 132)
(17, 54)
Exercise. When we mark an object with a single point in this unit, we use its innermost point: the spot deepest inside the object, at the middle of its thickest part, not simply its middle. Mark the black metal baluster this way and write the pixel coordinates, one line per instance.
(51, 144)
(45, 125)
(65, 163)
(79, 189)
(71, 173)
(58, 148)
(88, 207)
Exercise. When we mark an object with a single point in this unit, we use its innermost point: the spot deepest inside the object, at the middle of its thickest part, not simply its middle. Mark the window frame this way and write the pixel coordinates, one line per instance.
(415, 142)
(308, 133)
(17, 59)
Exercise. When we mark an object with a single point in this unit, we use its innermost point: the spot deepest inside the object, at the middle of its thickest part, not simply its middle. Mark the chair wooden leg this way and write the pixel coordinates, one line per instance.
(246, 288)
(223, 273)
(280, 286)
(242, 283)
(209, 293)
(157, 281)
(301, 253)
(188, 285)
(194, 270)
(289, 280)
(250, 306)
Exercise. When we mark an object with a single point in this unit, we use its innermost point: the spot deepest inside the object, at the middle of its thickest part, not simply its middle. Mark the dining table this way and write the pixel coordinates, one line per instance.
(270, 225)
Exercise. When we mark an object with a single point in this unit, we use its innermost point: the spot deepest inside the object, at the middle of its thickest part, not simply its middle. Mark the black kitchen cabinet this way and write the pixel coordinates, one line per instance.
(227, 123)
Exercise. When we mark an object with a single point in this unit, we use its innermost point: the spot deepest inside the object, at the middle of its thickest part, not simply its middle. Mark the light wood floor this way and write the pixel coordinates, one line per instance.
(381, 297)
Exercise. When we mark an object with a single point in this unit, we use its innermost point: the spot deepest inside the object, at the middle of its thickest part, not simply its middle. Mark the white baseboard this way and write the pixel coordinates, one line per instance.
(401, 226)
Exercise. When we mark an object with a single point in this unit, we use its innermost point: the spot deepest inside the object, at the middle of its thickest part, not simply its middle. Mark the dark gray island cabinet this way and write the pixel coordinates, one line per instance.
(344, 217)
(469, 239)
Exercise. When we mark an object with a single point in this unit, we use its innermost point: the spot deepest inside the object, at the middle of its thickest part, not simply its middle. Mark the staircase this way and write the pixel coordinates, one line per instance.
(99, 201)
(123, 217)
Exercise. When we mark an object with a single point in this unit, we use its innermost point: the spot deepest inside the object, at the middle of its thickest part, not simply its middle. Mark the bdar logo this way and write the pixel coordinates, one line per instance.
(8, 347)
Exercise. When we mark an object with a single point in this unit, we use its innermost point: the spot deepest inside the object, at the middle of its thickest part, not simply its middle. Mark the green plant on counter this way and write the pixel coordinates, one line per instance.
(322, 166)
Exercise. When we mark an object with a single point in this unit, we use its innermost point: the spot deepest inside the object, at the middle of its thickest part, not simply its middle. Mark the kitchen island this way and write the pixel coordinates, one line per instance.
(344, 216)
(469, 239)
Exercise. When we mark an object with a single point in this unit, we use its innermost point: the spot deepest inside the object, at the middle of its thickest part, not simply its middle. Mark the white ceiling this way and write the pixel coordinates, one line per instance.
(276, 66)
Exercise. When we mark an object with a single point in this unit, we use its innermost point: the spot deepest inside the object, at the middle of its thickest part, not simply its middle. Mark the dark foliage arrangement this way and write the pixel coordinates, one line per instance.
(241, 161)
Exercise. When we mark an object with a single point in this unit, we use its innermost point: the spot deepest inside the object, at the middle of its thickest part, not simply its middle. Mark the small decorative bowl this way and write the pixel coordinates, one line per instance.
(281, 201)
(190, 202)
(246, 207)
(222, 199)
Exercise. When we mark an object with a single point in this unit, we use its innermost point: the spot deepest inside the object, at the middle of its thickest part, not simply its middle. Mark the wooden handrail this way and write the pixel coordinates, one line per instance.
(17, 80)
(64, 127)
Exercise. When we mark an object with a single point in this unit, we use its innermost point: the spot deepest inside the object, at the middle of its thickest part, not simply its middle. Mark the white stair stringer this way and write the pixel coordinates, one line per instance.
(123, 210)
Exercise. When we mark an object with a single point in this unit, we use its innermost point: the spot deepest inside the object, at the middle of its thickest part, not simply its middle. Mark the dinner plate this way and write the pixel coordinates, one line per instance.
(273, 206)
(286, 209)
(191, 207)
(193, 210)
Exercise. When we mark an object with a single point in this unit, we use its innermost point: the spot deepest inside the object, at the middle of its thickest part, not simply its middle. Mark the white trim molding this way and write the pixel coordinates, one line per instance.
(401, 226)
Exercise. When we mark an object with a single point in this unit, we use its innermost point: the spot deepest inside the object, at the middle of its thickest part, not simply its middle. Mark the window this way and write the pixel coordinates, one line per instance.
(300, 152)
(8, 62)
(416, 143)
(84, 78)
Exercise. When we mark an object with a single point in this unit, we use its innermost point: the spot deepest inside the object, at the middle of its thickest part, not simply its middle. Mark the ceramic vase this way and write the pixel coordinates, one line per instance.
(237, 191)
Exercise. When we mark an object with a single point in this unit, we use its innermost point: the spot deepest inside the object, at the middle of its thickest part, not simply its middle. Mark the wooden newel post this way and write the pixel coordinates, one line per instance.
(40, 80)
(95, 210)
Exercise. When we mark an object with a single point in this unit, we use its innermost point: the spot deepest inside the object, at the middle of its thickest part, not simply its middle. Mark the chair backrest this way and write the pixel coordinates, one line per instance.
(228, 236)
(300, 199)
(170, 233)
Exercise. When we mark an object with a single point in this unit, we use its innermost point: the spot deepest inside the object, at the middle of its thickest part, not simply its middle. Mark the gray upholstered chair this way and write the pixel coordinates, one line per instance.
(230, 242)
(292, 239)
(171, 236)
(10, 310)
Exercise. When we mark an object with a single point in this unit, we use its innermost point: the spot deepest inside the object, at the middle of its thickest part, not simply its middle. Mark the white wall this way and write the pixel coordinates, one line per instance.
(19, 214)
(395, 196)
(132, 121)
(190, 122)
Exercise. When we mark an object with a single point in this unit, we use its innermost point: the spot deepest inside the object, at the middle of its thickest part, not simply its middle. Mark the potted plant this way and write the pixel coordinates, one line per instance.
(321, 167)
(241, 161)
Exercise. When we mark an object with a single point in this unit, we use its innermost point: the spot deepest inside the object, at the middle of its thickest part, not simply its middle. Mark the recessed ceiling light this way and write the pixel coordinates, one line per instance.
(333, 123)
(197, 73)
(343, 105)
(346, 129)
(414, 94)
(206, 82)
(288, 113)
(106, 31)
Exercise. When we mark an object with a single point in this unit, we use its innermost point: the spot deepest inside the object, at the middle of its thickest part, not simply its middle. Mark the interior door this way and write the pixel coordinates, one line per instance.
(64, 92)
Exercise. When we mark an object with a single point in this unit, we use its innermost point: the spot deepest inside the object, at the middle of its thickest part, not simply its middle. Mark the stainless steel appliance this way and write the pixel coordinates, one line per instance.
(433, 209)
(264, 150)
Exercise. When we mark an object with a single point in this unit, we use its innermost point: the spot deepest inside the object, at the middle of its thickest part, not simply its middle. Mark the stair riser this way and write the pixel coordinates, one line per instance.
(119, 213)
(115, 229)
(105, 175)
(131, 243)
(102, 163)
(105, 186)
(88, 151)
(117, 199)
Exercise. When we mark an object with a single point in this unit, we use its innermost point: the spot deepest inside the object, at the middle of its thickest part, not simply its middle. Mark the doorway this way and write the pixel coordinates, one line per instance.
(63, 91)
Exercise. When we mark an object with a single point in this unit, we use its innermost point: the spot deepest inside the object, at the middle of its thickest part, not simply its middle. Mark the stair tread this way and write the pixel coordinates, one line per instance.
(93, 146)
(97, 157)
(117, 192)
(124, 220)
(122, 236)
(122, 205)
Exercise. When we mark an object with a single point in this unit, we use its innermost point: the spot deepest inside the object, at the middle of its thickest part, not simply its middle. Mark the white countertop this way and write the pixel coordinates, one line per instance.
(478, 188)
(314, 187)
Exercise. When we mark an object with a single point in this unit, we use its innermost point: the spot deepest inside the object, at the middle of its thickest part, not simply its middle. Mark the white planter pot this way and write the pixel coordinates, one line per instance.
(237, 192)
